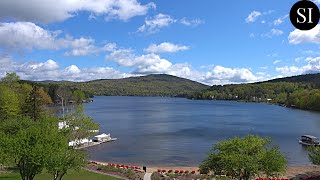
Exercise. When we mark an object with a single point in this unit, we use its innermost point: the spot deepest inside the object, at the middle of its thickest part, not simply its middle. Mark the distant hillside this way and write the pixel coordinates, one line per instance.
(151, 85)
(307, 78)
(301, 92)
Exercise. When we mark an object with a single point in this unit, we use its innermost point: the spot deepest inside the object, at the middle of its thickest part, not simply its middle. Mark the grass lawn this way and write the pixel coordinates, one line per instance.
(71, 175)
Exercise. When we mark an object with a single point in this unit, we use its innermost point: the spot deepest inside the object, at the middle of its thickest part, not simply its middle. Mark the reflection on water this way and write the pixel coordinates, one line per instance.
(180, 132)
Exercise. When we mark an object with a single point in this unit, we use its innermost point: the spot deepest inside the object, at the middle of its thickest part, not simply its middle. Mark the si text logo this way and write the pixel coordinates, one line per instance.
(304, 15)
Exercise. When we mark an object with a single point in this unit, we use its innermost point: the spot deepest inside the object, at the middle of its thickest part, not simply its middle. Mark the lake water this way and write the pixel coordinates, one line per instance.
(180, 132)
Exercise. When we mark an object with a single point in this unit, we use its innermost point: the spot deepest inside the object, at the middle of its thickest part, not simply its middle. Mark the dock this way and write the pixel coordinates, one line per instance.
(90, 144)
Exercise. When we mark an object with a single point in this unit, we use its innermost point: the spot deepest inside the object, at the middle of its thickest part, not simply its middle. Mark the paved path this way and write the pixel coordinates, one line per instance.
(147, 176)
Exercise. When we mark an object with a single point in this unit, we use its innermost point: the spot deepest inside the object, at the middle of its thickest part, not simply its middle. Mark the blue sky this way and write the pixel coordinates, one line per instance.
(213, 42)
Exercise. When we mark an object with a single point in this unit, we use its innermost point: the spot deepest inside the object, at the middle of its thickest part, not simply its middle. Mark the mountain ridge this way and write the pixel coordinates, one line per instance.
(304, 78)
(150, 85)
(159, 85)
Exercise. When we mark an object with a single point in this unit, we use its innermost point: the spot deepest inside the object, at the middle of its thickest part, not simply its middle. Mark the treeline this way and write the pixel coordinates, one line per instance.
(298, 95)
(151, 85)
(30, 139)
(59, 92)
(21, 98)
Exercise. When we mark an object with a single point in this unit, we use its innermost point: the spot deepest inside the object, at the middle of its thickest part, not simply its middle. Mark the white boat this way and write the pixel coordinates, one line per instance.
(309, 140)
(80, 142)
(103, 138)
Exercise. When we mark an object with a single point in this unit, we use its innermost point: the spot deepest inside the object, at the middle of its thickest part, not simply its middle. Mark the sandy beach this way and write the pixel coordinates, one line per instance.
(291, 170)
(155, 168)
(295, 170)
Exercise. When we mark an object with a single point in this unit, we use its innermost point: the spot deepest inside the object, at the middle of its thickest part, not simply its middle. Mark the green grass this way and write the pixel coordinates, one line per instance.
(72, 175)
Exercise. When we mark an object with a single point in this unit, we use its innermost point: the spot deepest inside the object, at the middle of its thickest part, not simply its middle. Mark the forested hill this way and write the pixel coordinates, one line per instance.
(151, 85)
(300, 92)
(307, 78)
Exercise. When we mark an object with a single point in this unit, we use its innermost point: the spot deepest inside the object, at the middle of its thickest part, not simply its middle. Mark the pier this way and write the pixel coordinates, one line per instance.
(89, 144)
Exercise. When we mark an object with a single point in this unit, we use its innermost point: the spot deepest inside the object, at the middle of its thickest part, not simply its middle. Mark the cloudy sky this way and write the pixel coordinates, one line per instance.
(207, 41)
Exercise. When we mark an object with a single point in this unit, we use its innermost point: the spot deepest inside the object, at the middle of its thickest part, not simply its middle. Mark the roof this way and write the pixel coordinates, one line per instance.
(102, 135)
(309, 136)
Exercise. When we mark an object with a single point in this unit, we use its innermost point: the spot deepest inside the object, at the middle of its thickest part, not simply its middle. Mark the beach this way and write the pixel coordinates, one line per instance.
(291, 170)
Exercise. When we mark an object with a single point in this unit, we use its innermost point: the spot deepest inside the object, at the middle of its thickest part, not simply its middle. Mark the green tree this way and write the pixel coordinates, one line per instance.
(63, 160)
(245, 158)
(314, 155)
(10, 77)
(79, 125)
(23, 91)
(30, 138)
(79, 96)
(9, 103)
(36, 102)
(273, 162)
(30, 145)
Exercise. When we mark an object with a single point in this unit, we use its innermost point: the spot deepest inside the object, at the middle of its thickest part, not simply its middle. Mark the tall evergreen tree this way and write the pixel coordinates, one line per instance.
(36, 103)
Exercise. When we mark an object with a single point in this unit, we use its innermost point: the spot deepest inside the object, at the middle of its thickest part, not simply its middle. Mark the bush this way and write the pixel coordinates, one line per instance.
(244, 158)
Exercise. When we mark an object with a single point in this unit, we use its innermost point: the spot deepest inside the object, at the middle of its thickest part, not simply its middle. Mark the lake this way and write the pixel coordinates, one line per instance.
(180, 132)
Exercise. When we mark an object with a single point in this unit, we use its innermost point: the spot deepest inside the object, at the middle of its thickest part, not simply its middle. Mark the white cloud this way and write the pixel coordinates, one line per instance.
(298, 59)
(149, 63)
(276, 32)
(264, 67)
(27, 35)
(85, 46)
(277, 21)
(191, 22)
(60, 10)
(312, 66)
(276, 61)
(50, 70)
(312, 36)
(73, 69)
(223, 75)
(289, 70)
(141, 64)
(272, 33)
(166, 47)
(152, 63)
(280, 20)
(82, 47)
(154, 24)
(145, 64)
(253, 16)
(210, 66)
(262, 73)
(34, 69)
(19, 36)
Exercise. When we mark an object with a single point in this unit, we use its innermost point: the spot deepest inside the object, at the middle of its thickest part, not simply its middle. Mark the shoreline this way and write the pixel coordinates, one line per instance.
(292, 170)
(154, 168)
(193, 99)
